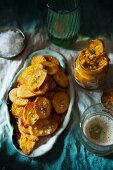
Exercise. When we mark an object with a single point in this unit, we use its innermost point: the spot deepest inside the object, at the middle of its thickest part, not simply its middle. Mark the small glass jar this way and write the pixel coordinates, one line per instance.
(96, 129)
(90, 78)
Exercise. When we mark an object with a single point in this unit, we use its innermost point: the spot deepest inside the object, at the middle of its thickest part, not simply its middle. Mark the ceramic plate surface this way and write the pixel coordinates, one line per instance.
(44, 148)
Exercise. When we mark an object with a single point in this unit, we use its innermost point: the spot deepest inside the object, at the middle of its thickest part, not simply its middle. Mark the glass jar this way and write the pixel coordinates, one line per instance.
(90, 78)
(96, 129)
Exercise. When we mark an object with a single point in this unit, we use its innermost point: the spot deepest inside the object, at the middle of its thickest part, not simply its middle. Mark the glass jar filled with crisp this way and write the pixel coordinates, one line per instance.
(91, 65)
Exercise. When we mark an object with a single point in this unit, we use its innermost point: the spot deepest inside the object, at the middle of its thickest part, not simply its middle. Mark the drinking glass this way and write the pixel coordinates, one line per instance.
(96, 129)
(63, 21)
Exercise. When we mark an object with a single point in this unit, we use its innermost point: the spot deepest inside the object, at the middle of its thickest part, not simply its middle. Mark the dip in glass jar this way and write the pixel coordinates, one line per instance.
(91, 65)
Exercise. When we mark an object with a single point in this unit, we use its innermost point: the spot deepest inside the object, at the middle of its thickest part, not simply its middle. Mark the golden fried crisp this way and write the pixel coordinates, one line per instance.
(37, 59)
(30, 115)
(42, 89)
(52, 59)
(16, 110)
(107, 97)
(27, 143)
(91, 61)
(23, 127)
(37, 79)
(32, 76)
(24, 92)
(51, 68)
(27, 72)
(50, 95)
(37, 65)
(17, 100)
(96, 46)
(60, 78)
(51, 82)
(43, 107)
(44, 127)
(60, 102)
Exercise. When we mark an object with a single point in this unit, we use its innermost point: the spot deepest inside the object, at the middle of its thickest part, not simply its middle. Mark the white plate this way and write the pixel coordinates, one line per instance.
(41, 150)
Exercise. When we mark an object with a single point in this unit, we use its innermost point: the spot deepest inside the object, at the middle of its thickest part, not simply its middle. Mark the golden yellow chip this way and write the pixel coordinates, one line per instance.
(17, 111)
(17, 100)
(42, 89)
(27, 143)
(107, 97)
(60, 102)
(50, 95)
(30, 115)
(32, 76)
(60, 78)
(52, 59)
(96, 46)
(51, 68)
(43, 107)
(44, 127)
(28, 71)
(24, 92)
(37, 79)
(51, 82)
(23, 128)
(38, 65)
(37, 59)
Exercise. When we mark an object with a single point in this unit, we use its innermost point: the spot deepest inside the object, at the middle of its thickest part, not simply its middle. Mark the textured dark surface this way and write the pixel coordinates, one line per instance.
(96, 15)
(97, 18)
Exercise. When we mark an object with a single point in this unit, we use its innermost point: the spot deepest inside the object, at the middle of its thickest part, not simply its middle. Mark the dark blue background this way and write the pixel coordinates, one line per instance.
(96, 15)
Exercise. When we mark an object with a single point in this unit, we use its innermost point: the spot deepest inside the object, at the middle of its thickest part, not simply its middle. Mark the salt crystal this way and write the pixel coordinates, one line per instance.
(11, 43)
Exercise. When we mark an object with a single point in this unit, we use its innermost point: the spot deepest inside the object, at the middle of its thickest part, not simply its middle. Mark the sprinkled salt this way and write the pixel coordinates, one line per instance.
(11, 43)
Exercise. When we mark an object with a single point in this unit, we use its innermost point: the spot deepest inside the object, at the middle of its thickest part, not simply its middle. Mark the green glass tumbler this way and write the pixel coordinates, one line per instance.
(63, 21)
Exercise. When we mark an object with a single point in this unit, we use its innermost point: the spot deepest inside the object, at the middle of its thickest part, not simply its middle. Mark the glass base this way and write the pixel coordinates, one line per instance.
(66, 42)
(96, 152)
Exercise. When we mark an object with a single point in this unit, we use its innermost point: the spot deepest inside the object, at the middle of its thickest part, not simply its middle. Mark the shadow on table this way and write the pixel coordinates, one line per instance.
(109, 156)
(109, 80)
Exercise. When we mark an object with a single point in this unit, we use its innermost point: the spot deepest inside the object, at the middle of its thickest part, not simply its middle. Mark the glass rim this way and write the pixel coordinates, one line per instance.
(48, 6)
(97, 104)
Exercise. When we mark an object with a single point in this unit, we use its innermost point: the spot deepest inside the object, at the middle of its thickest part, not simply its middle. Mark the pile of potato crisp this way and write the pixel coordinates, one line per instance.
(39, 100)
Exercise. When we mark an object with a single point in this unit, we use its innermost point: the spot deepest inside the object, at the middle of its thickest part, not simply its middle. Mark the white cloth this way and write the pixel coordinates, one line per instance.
(84, 98)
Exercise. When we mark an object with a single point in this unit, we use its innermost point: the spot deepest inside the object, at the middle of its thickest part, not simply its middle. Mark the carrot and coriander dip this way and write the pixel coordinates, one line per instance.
(91, 65)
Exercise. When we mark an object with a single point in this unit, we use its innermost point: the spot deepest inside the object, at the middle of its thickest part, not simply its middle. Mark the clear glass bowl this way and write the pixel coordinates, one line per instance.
(96, 129)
